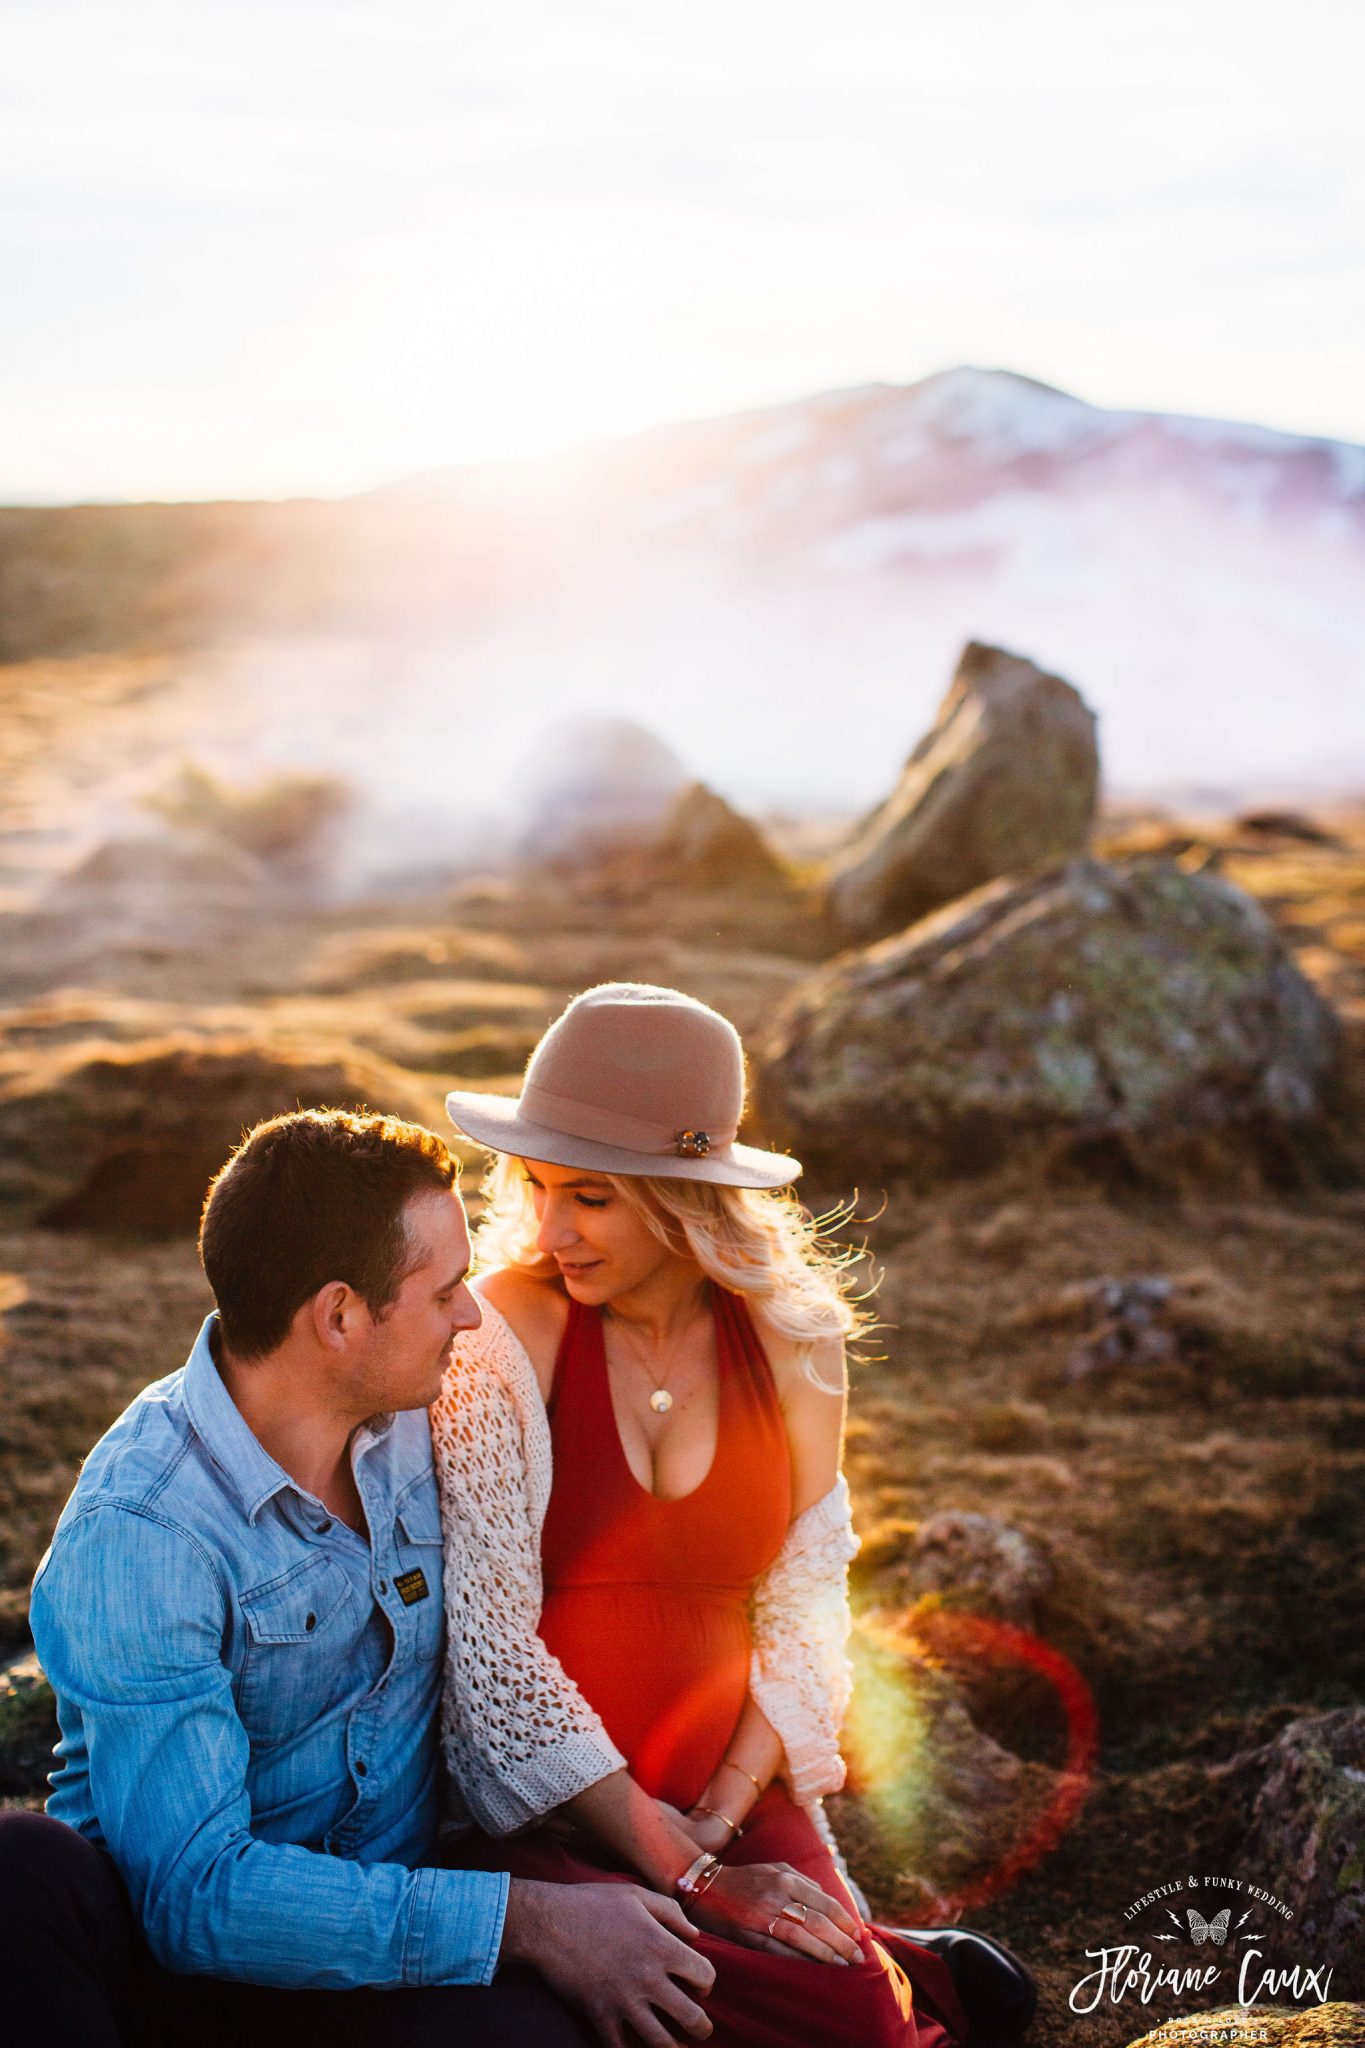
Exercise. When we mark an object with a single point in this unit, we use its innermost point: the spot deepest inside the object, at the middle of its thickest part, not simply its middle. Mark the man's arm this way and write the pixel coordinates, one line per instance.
(128, 1616)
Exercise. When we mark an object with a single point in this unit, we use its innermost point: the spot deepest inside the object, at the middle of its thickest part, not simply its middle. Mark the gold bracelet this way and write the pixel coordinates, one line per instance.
(735, 1829)
(729, 1763)
(699, 1874)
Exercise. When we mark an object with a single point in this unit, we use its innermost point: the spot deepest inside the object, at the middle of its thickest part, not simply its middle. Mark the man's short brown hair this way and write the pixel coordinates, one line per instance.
(314, 1196)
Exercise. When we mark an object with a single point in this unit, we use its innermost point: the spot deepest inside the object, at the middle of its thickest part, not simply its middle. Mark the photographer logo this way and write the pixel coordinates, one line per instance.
(1231, 1953)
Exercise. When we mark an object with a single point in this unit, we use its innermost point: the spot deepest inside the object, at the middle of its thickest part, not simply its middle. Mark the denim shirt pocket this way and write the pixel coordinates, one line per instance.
(300, 1631)
(417, 1542)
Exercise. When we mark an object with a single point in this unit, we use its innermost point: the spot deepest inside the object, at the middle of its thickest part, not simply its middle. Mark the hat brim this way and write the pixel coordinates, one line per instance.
(496, 1123)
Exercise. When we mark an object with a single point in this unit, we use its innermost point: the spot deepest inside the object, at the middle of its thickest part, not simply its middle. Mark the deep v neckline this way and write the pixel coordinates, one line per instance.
(661, 1500)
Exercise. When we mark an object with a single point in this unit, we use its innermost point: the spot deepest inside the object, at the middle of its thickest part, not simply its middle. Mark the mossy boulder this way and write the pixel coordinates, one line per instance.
(933, 1806)
(1307, 1838)
(1105, 1008)
(978, 1563)
(1004, 781)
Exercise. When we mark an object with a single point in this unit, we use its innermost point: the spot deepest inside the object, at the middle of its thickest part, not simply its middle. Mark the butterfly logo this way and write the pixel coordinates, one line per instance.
(1202, 1930)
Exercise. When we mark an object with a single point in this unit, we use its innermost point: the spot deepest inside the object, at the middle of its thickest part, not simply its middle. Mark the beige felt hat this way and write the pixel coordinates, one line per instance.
(630, 1079)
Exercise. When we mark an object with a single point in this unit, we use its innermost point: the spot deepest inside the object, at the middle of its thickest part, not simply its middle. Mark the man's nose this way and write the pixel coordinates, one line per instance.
(468, 1312)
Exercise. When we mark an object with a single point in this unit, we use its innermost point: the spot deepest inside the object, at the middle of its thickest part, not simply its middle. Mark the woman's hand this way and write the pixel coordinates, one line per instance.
(704, 1829)
(745, 1902)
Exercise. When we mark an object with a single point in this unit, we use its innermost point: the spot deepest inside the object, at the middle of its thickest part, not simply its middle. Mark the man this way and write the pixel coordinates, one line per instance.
(241, 1618)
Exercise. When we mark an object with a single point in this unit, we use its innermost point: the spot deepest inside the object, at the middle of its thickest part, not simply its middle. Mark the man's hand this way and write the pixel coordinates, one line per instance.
(613, 1950)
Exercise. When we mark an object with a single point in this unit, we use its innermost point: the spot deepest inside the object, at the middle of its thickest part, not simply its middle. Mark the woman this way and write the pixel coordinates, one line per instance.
(647, 1529)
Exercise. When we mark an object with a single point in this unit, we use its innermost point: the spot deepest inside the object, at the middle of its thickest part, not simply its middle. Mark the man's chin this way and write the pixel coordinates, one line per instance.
(429, 1391)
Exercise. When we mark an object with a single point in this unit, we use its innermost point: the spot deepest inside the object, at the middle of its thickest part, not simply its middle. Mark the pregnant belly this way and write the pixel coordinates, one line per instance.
(667, 1670)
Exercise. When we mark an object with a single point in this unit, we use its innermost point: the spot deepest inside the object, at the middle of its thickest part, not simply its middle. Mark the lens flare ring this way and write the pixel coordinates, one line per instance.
(892, 1749)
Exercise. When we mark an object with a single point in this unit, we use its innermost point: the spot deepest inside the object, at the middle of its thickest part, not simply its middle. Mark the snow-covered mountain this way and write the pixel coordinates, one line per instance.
(783, 593)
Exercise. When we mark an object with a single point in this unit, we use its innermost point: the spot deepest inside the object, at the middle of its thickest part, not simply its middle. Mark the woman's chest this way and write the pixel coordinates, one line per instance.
(605, 1525)
(669, 1436)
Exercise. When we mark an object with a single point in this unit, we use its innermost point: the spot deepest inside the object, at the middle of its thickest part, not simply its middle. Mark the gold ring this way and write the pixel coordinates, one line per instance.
(772, 1924)
(795, 1909)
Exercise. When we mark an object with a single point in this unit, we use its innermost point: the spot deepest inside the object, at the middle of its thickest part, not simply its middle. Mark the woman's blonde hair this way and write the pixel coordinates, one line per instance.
(758, 1242)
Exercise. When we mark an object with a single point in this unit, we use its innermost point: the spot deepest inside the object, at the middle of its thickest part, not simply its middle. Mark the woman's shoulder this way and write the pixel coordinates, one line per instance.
(535, 1310)
(811, 1380)
(817, 1365)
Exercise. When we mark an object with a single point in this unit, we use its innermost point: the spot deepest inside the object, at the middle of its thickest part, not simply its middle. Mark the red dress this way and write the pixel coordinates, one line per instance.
(647, 1608)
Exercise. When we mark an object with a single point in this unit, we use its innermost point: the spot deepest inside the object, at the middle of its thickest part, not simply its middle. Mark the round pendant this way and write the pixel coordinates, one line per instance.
(661, 1400)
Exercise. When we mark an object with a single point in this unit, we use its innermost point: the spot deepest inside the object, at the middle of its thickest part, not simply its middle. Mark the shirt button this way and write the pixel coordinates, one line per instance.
(383, 1585)
(360, 1767)
(310, 1622)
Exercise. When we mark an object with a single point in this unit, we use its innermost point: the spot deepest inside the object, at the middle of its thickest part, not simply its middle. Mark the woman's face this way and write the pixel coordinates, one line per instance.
(602, 1247)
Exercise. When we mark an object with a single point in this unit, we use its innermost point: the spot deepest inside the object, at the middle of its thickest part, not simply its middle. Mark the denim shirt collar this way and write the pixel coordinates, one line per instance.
(247, 1466)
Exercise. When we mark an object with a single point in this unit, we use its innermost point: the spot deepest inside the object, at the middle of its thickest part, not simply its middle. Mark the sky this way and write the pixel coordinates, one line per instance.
(280, 247)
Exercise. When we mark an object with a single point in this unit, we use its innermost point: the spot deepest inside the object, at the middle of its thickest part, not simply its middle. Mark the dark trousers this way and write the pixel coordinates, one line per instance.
(75, 1972)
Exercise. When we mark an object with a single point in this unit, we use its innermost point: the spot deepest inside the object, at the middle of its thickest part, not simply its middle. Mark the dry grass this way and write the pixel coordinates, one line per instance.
(1204, 1520)
(1202, 1514)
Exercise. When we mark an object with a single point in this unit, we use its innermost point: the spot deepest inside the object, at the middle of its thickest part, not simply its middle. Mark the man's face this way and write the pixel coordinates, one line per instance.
(404, 1350)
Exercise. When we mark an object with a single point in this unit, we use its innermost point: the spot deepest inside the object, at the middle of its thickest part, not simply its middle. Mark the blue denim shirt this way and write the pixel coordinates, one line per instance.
(247, 1692)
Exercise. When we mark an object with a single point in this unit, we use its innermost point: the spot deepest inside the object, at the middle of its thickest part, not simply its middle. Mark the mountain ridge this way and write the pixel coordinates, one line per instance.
(784, 593)
(1018, 413)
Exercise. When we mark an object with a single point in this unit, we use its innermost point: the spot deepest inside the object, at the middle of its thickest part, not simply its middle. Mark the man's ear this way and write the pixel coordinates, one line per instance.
(337, 1311)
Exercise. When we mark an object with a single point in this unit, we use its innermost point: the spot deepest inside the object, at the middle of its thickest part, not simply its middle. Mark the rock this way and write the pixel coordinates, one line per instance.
(705, 844)
(28, 1728)
(598, 787)
(1306, 1842)
(1123, 1325)
(134, 899)
(125, 1140)
(979, 1563)
(148, 878)
(1108, 1010)
(1005, 781)
(936, 1810)
(289, 822)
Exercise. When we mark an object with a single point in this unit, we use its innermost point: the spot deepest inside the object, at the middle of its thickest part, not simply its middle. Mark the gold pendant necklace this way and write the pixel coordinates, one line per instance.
(660, 1399)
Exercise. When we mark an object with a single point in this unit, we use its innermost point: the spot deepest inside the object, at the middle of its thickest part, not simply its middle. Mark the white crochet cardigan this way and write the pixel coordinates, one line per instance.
(517, 1736)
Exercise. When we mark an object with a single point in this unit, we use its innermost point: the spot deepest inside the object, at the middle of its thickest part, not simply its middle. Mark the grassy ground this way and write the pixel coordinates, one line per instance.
(1200, 1518)
(1203, 1517)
